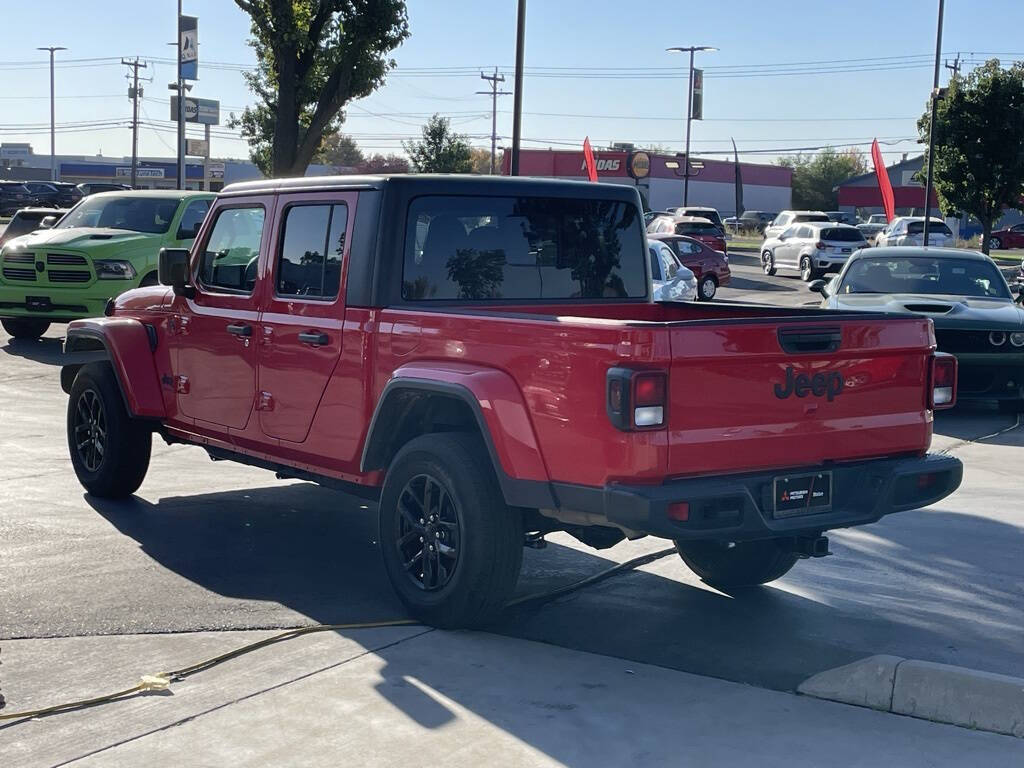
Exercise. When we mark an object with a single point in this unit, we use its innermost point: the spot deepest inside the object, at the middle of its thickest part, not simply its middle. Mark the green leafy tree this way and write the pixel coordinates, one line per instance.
(339, 150)
(441, 150)
(979, 143)
(815, 177)
(314, 57)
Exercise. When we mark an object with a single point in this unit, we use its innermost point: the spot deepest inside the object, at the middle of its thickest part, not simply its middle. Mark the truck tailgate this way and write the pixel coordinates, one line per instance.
(774, 393)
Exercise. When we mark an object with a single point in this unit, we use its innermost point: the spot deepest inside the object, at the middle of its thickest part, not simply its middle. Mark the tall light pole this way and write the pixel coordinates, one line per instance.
(53, 133)
(517, 99)
(689, 110)
(931, 130)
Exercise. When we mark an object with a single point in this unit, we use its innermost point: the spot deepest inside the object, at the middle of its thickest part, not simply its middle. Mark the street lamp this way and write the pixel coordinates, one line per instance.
(689, 107)
(53, 142)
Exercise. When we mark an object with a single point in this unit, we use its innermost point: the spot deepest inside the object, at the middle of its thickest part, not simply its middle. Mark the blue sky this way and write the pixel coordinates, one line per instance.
(759, 87)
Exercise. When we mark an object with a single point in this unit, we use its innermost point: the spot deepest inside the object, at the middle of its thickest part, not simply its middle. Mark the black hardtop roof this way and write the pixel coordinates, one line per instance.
(430, 183)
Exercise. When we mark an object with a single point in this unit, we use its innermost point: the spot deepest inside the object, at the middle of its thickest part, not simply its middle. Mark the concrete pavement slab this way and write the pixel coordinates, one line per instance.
(461, 699)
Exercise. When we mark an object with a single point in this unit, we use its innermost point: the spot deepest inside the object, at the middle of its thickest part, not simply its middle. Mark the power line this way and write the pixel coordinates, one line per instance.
(494, 93)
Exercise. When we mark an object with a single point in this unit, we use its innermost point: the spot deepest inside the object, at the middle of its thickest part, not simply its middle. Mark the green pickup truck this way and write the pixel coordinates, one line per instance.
(103, 246)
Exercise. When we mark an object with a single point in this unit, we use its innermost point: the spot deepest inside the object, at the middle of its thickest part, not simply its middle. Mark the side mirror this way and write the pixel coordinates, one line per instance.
(818, 286)
(47, 222)
(172, 270)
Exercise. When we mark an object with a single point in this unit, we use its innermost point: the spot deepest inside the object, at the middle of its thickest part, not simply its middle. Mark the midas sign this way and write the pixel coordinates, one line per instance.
(604, 165)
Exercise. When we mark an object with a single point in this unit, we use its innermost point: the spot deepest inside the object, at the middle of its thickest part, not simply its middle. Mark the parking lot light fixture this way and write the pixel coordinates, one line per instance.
(689, 109)
(53, 157)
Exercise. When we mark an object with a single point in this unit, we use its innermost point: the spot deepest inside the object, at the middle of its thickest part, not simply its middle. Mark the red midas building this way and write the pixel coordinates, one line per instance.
(765, 187)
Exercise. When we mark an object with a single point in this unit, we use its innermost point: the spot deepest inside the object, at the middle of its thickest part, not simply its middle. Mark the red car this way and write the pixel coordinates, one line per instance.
(480, 357)
(709, 266)
(696, 227)
(1012, 237)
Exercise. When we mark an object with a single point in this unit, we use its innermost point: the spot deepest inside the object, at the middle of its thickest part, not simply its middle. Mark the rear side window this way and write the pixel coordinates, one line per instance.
(229, 258)
(523, 248)
(804, 232)
(309, 265)
(811, 217)
(192, 218)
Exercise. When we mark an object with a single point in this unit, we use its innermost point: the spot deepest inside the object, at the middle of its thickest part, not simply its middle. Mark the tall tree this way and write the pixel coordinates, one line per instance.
(441, 150)
(340, 151)
(314, 57)
(979, 143)
(815, 177)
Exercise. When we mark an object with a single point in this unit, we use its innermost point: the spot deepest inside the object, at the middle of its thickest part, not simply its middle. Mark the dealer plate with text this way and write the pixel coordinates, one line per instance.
(802, 494)
(38, 303)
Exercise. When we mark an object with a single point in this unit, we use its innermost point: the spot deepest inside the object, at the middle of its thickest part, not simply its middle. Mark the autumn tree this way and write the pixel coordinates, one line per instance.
(440, 149)
(979, 143)
(315, 56)
(390, 163)
(340, 151)
(480, 160)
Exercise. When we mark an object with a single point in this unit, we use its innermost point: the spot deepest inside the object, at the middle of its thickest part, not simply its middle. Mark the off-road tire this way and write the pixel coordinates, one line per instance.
(746, 564)
(124, 458)
(25, 328)
(490, 534)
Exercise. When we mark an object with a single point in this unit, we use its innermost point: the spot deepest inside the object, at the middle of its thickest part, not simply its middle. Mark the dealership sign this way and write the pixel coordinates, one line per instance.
(205, 111)
(142, 173)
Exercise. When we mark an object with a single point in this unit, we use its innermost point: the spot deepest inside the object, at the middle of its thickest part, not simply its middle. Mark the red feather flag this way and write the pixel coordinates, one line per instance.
(883, 181)
(588, 156)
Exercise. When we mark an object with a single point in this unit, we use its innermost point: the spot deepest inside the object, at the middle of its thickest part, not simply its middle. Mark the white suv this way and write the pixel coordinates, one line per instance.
(811, 250)
(787, 218)
(909, 230)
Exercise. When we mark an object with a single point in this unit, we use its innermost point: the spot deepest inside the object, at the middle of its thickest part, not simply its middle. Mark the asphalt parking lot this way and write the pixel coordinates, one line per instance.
(217, 546)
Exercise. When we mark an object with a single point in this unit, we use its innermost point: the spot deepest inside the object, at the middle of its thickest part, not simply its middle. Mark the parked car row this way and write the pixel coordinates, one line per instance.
(49, 194)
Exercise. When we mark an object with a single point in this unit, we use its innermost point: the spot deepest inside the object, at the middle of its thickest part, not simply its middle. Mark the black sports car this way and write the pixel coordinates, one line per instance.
(975, 313)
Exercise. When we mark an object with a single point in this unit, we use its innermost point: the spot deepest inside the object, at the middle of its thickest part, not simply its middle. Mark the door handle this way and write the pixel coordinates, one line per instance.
(316, 338)
(239, 329)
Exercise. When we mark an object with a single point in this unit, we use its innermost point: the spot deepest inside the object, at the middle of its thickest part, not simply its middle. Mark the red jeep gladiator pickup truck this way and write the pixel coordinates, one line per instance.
(482, 357)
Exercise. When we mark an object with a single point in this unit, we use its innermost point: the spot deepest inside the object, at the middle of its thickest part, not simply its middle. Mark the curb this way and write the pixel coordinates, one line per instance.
(941, 693)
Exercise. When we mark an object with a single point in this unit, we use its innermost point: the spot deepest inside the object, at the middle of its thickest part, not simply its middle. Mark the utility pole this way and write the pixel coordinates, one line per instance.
(134, 93)
(494, 93)
(955, 66)
(517, 99)
(689, 110)
(931, 129)
(53, 133)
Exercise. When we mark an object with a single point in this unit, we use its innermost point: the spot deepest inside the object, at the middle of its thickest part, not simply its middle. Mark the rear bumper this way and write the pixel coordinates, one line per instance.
(739, 507)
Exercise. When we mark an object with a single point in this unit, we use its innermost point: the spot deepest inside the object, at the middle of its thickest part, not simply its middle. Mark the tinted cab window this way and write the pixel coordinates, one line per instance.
(523, 248)
(309, 265)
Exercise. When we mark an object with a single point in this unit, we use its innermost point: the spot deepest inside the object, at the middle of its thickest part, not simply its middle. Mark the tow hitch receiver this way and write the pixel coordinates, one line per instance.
(811, 546)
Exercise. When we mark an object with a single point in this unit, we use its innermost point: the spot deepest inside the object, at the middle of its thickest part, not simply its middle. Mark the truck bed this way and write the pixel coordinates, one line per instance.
(736, 399)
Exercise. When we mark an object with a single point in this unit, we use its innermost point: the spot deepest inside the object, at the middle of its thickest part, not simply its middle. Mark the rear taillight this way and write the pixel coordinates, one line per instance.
(943, 389)
(636, 399)
(820, 246)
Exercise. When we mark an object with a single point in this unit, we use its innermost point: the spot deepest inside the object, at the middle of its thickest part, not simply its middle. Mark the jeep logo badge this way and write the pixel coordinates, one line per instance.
(823, 384)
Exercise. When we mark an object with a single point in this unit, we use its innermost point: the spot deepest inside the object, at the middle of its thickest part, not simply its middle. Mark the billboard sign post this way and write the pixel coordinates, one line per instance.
(188, 39)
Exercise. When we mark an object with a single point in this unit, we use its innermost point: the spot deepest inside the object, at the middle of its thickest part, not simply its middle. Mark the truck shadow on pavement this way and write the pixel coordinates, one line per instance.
(47, 350)
(973, 421)
(896, 587)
